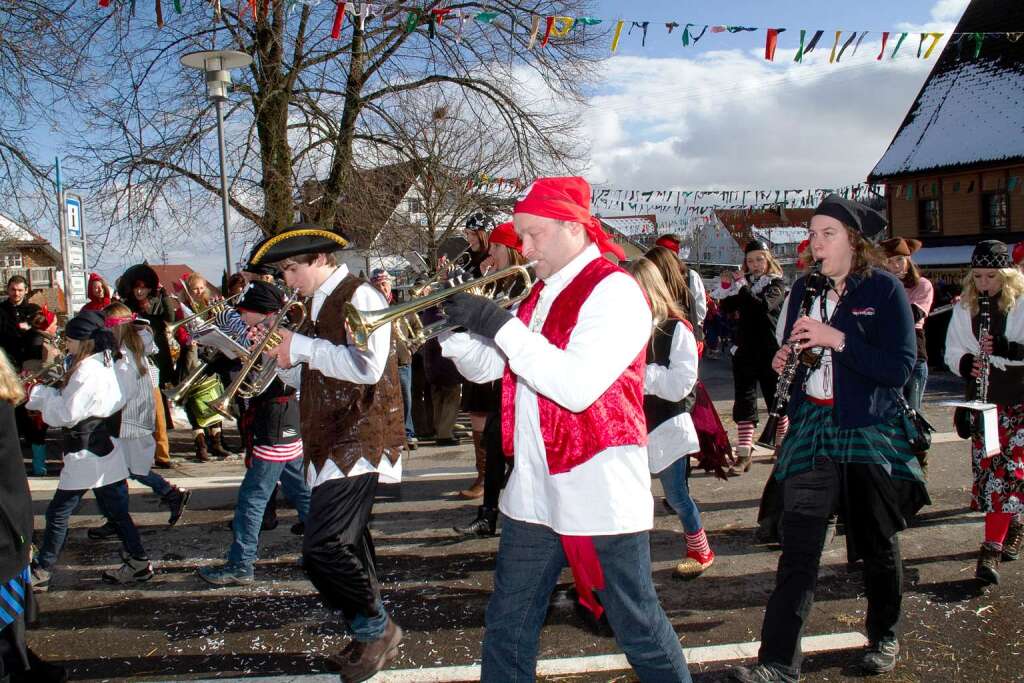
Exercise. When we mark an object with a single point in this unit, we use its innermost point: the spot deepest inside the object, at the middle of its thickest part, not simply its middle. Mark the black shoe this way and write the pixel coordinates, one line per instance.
(269, 523)
(177, 499)
(102, 533)
(987, 570)
(299, 528)
(880, 657)
(760, 673)
(447, 442)
(485, 524)
(767, 531)
(162, 465)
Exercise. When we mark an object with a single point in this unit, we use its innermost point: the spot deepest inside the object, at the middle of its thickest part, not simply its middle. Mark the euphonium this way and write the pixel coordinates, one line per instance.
(813, 287)
(258, 372)
(178, 393)
(363, 324)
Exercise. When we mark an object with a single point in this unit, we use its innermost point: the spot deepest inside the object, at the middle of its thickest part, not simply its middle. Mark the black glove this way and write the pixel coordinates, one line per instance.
(477, 314)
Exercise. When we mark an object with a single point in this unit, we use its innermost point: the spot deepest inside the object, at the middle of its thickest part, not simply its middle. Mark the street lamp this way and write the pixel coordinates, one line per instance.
(217, 65)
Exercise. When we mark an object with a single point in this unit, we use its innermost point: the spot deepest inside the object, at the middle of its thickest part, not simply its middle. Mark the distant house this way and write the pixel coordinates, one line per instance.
(723, 241)
(635, 234)
(954, 172)
(171, 275)
(25, 253)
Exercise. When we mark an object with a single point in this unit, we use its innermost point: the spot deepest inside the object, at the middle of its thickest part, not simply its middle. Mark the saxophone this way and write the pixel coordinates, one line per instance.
(814, 286)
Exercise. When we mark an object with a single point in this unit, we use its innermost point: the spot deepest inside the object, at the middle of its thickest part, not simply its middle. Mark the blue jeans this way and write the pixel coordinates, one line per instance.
(913, 390)
(677, 491)
(405, 380)
(112, 500)
(530, 559)
(258, 485)
(160, 486)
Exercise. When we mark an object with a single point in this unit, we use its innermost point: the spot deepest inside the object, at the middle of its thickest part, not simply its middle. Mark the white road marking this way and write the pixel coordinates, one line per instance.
(706, 654)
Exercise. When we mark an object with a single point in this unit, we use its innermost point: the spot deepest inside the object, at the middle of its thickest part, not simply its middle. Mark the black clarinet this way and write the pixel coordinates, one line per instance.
(815, 285)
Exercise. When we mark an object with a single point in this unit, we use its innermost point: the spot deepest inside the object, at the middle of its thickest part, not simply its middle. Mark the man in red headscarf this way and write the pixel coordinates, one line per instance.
(572, 367)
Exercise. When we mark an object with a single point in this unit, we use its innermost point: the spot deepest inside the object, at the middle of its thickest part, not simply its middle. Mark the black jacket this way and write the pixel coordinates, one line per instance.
(15, 500)
(757, 315)
(13, 339)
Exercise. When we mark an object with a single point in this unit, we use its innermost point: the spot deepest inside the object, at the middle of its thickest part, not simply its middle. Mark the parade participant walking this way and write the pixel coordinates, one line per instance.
(755, 302)
(505, 250)
(693, 280)
(351, 415)
(135, 436)
(18, 663)
(670, 381)
(16, 316)
(87, 406)
(847, 451)
(40, 351)
(571, 363)
(993, 297)
(273, 453)
(898, 261)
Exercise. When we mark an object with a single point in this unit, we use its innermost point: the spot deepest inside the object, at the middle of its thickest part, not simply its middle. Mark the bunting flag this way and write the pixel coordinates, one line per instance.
(771, 42)
(671, 25)
(899, 43)
(159, 15)
(885, 39)
(936, 37)
(689, 38)
(814, 41)
(534, 29)
(800, 51)
(339, 16)
(618, 34)
(859, 41)
(835, 44)
(642, 25)
(847, 44)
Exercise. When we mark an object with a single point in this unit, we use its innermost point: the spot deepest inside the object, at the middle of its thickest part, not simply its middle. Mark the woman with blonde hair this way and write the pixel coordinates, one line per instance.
(670, 381)
(992, 295)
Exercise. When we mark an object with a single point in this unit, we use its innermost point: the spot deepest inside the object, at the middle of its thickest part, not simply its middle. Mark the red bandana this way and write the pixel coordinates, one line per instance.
(567, 199)
(668, 243)
(506, 234)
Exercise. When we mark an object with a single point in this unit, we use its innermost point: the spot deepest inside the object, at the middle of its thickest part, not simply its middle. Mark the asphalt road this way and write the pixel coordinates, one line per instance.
(436, 585)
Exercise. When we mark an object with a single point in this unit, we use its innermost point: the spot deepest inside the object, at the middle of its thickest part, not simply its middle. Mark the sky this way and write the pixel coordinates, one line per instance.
(717, 115)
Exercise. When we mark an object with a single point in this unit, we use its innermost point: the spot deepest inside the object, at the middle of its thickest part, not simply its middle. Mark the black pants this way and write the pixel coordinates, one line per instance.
(809, 499)
(747, 374)
(497, 466)
(337, 551)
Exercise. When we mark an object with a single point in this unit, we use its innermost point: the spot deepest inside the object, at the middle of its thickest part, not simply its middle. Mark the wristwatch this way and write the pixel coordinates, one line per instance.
(842, 345)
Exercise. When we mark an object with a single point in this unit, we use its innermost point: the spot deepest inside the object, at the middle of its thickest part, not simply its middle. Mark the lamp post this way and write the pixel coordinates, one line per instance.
(217, 65)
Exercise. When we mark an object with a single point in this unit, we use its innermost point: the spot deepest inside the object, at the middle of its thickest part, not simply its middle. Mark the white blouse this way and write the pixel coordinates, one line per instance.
(677, 437)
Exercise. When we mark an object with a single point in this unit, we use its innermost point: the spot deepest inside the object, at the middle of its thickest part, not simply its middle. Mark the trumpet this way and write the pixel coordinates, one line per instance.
(364, 323)
(205, 316)
(258, 372)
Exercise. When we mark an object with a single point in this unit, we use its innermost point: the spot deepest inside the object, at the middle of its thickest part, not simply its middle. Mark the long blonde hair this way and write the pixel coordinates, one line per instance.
(1012, 288)
(664, 259)
(648, 276)
(127, 336)
(11, 388)
(774, 269)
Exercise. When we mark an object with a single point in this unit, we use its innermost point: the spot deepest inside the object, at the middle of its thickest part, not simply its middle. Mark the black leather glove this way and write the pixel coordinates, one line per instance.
(477, 314)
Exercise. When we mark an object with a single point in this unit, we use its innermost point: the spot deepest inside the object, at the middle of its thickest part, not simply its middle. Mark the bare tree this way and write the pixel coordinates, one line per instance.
(314, 107)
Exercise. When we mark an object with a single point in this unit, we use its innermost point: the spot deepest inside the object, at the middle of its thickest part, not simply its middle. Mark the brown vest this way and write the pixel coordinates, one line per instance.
(343, 421)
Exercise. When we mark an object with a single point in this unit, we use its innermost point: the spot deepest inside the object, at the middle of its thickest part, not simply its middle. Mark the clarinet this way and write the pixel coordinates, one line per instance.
(984, 328)
(814, 285)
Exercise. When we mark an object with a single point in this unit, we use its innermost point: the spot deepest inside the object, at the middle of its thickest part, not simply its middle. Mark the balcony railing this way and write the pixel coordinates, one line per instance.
(38, 278)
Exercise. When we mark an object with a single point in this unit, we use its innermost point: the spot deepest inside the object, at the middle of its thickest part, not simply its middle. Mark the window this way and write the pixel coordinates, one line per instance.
(993, 211)
(11, 260)
(929, 216)
(415, 206)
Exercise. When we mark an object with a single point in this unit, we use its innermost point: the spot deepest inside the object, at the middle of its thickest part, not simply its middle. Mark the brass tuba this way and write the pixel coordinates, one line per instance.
(364, 323)
(258, 372)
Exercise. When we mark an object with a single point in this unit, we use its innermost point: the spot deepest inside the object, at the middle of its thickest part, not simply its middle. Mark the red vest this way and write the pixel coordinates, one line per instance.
(616, 418)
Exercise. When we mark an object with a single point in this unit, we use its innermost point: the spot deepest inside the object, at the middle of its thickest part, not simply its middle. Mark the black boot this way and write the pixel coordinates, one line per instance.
(485, 524)
(1014, 538)
(176, 499)
(40, 671)
(988, 564)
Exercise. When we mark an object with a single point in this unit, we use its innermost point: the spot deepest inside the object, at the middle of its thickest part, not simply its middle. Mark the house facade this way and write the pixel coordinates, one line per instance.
(25, 253)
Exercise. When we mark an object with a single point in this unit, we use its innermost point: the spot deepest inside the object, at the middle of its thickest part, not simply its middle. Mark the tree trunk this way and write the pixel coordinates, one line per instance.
(271, 114)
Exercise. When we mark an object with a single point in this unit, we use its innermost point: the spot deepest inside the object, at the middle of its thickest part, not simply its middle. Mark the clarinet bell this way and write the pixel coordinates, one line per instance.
(771, 428)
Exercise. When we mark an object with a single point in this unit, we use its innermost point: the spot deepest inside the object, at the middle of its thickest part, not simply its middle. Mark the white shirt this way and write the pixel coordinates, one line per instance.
(700, 302)
(677, 437)
(610, 493)
(92, 391)
(960, 339)
(346, 363)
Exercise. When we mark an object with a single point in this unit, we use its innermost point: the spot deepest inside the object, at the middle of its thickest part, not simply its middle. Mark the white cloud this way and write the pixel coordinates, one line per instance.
(730, 119)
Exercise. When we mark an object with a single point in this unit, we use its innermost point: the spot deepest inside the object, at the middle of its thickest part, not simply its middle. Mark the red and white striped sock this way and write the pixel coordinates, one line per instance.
(697, 545)
(783, 428)
(745, 435)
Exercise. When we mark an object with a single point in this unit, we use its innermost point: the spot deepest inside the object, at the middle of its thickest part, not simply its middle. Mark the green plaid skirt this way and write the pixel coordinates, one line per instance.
(812, 433)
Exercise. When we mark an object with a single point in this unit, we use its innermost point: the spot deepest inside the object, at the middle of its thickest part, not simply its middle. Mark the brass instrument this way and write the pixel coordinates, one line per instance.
(364, 323)
(205, 315)
(178, 393)
(258, 372)
(815, 285)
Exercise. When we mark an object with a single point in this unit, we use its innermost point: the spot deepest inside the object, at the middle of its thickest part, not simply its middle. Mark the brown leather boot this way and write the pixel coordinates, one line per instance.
(988, 564)
(202, 455)
(477, 489)
(217, 444)
(361, 661)
(1014, 540)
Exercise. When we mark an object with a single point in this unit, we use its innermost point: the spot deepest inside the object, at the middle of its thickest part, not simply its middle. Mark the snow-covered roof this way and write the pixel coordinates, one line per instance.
(10, 230)
(969, 111)
(633, 226)
(782, 235)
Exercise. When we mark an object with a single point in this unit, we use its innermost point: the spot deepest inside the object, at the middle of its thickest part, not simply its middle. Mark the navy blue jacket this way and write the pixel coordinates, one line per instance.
(880, 352)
